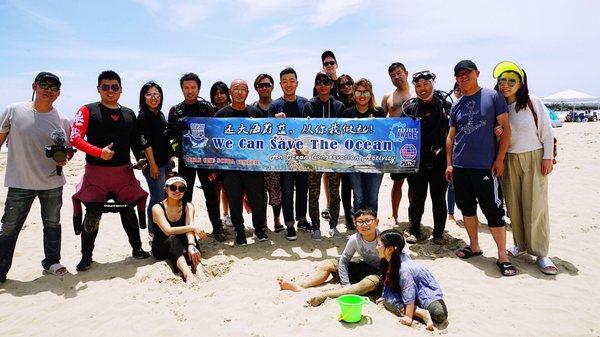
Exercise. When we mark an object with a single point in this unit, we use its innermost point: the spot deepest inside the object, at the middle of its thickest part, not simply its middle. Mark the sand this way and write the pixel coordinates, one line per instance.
(239, 296)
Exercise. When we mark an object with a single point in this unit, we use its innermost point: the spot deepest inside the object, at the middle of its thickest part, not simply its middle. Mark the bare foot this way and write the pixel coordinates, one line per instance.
(288, 285)
(316, 301)
(451, 217)
(426, 317)
(191, 279)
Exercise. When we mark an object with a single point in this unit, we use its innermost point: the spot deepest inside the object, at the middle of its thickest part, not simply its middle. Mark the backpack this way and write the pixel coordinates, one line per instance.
(535, 119)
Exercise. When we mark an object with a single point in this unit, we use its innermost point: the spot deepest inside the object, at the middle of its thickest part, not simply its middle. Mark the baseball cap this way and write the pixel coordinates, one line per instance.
(464, 64)
(505, 66)
(323, 74)
(44, 75)
(327, 53)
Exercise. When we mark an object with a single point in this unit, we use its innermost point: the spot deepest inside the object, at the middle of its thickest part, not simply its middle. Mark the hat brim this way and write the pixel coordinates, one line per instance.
(505, 66)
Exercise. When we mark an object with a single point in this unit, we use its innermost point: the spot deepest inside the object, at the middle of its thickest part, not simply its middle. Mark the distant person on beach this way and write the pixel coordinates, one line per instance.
(365, 185)
(107, 132)
(291, 105)
(194, 106)
(152, 124)
(433, 110)
(528, 162)
(475, 160)
(392, 105)
(324, 105)
(30, 173)
(345, 85)
(176, 237)
(409, 289)
(238, 183)
(264, 84)
(355, 277)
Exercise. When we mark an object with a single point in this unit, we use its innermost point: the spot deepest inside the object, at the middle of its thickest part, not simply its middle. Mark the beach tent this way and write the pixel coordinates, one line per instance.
(556, 123)
(570, 96)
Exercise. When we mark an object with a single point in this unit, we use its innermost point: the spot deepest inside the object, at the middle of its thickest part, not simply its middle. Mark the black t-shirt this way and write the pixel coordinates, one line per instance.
(265, 112)
(117, 126)
(354, 113)
(248, 111)
(152, 134)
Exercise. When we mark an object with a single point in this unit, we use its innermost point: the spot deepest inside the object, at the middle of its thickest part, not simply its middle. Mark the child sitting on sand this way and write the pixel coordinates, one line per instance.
(407, 284)
(355, 277)
(175, 238)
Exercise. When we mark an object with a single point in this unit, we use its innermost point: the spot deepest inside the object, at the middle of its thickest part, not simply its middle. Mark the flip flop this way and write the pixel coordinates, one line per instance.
(506, 268)
(546, 266)
(467, 253)
(57, 269)
(514, 251)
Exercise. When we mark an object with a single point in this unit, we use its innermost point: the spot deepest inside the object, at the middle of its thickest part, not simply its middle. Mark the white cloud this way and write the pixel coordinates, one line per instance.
(330, 11)
(278, 32)
(252, 9)
(188, 14)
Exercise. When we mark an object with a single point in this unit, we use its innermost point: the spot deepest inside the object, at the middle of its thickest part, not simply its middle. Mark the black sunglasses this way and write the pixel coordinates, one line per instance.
(263, 85)
(46, 86)
(328, 63)
(345, 84)
(323, 82)
(174, 188)
(113, 87)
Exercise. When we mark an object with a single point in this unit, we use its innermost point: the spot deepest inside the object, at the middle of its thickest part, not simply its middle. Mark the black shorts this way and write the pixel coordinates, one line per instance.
(398, 176)
(358, 270)
(472, 186)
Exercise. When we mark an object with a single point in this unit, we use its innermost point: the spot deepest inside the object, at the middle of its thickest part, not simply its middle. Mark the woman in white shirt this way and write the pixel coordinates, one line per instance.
(528, 163)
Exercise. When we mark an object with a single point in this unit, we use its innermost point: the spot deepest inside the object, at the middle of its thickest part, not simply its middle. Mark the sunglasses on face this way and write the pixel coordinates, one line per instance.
(328, 63)
(263, 85)
(174, 188)
(113, 87)
(322, 82)
(152, 95)
(511, 82)
(367, 222)
(359, 93)
(344, 84)
(46, 86)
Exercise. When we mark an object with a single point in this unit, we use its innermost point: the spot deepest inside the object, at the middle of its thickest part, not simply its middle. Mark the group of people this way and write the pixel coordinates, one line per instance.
(485, 140)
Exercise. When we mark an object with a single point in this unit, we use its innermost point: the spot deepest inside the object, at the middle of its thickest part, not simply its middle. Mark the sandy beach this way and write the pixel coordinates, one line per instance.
(239, 296)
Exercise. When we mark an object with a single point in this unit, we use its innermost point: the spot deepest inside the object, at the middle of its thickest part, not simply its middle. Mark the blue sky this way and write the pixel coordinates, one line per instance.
(555, 41)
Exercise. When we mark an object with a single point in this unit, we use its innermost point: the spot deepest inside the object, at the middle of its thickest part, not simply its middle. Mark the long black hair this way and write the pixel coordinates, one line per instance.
(391, 269)
(223, 88)
(144, 90)
(522, 92)
(348, 100)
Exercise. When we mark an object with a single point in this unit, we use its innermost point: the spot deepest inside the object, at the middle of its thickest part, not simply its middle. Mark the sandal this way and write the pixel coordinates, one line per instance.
(506, 268)
(514, 251)
(546, 266)
(467, 252)
(57, 269)
(325, 214)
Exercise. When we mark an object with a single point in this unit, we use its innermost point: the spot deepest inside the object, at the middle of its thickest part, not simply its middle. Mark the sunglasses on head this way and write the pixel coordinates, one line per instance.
(174, 188)
(325, 81)
(328, 63)
(113, 87)
(263, 85)
(46, 86)
(511, 82)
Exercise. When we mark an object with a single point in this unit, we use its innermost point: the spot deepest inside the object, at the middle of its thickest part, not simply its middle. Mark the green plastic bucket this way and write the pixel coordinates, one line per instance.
(351, 307)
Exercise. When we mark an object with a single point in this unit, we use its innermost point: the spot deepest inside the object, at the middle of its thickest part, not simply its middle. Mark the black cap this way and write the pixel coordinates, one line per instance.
(327, 53)
(44, 75)
(464, 64)
(323, 74)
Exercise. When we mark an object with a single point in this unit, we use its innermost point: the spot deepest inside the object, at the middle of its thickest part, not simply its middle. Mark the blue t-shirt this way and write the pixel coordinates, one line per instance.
(291, 109)
(474, 118)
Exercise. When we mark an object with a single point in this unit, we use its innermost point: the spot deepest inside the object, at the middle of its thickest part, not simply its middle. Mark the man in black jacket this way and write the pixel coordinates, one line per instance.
(194, 106)
(432, 109)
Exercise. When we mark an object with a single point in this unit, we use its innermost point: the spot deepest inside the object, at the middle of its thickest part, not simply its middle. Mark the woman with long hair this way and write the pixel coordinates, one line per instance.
(344, 86)
(177, 237)
(529, 161)
(151, 125)
(408, 285)
(365, 185)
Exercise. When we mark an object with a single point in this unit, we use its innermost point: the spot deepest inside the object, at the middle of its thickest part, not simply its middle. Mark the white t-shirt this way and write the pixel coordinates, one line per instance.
(524, 135)
(29, 132)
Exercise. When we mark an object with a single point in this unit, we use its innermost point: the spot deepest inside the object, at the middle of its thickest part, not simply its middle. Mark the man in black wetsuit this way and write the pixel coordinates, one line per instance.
(433, 110)
(107, 131)
(239, 182)
(194, 106)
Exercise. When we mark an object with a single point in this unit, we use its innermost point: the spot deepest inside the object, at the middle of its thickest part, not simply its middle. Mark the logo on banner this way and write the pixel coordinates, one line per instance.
(198, 134)
(408, 151)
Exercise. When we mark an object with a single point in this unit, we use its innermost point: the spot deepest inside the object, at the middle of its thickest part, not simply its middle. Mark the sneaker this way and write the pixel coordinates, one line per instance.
(240, 240)
(226, 220)
(411, 239)
(325, 214)
(84, 264)
(219, 236)
(278, 228)
(334, 233)
(261, 236)
(140, 254)
(316, 235)
(291, 234)
(305, 226)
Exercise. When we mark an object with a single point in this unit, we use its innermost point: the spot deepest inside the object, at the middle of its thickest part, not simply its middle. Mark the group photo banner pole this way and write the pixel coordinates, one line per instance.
(371, 145)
